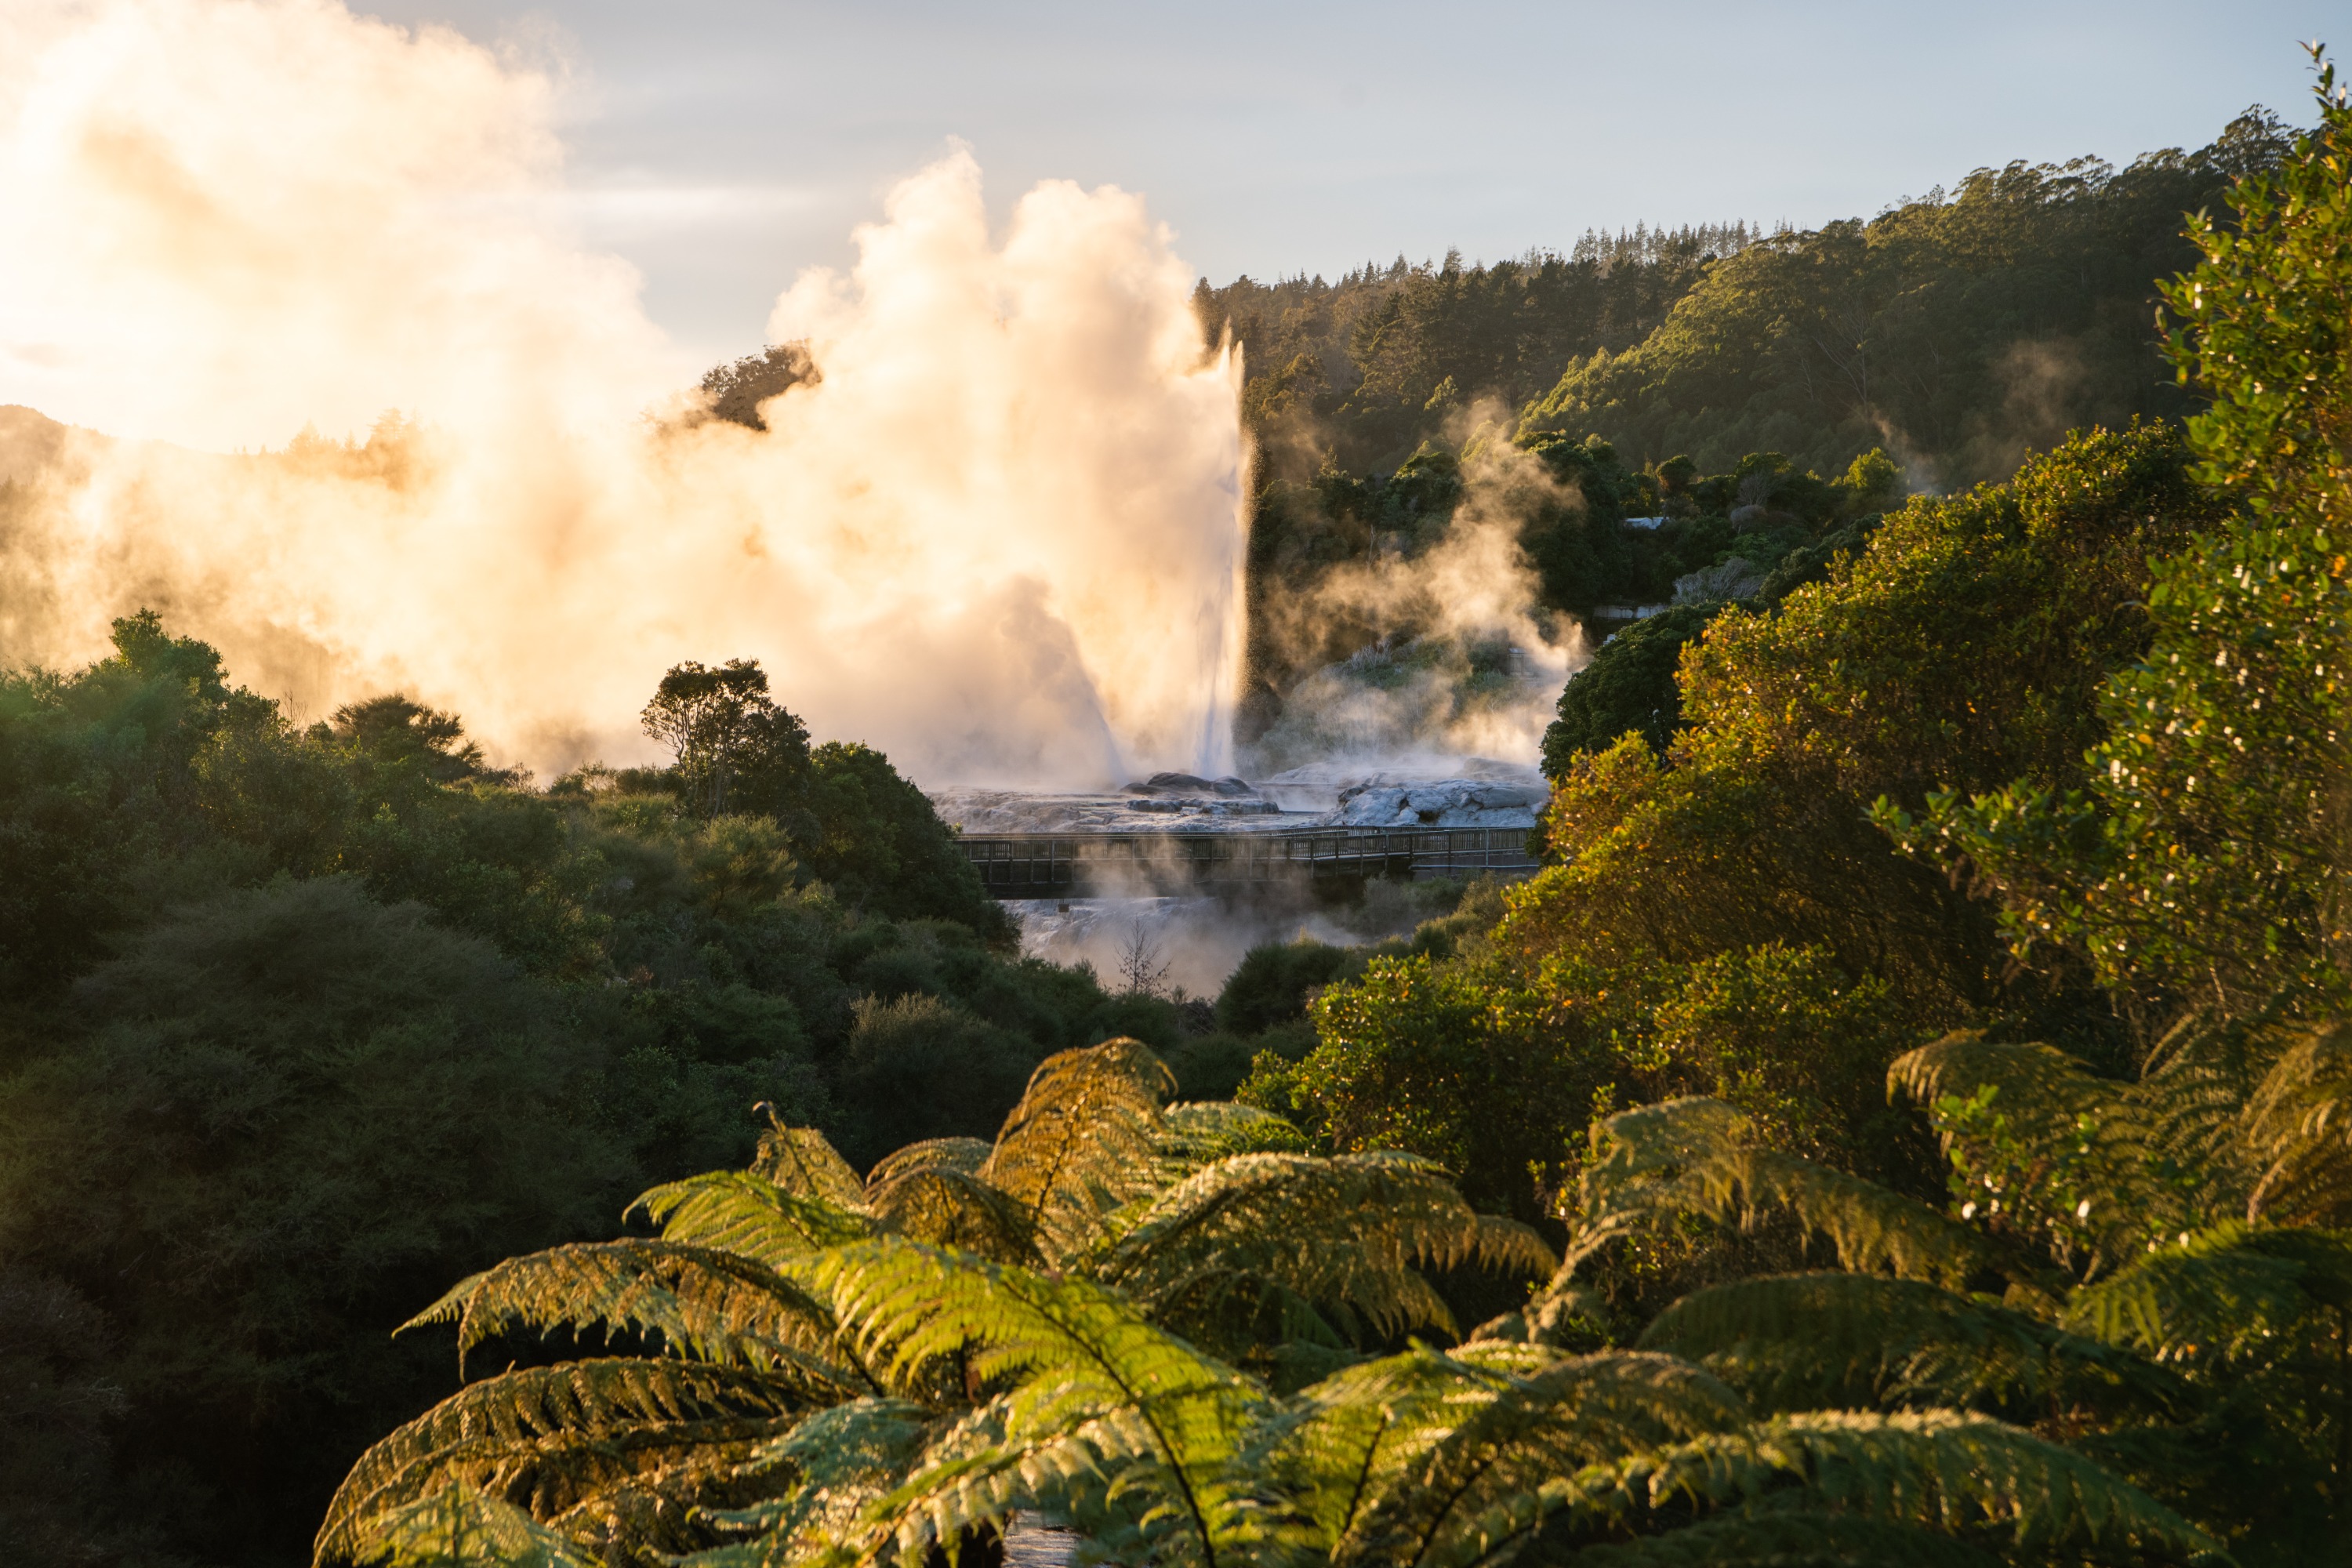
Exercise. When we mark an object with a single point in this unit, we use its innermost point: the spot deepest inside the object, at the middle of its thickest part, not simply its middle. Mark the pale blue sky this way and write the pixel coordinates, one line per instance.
(721, 144)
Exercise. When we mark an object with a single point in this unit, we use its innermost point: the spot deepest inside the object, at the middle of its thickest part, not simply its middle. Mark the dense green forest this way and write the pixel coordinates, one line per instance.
(1696, 374)
(1904, 1121)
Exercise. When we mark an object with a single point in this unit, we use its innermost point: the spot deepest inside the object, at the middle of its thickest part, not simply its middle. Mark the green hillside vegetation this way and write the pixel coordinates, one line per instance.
(1698, 374)
(295, 1022)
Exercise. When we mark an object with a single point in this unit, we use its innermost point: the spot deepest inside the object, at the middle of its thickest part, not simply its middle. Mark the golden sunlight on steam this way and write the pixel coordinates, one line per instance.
(1000, 539)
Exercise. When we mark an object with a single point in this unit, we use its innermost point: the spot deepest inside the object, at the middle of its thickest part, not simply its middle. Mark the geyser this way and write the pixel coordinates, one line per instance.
(1000, 538)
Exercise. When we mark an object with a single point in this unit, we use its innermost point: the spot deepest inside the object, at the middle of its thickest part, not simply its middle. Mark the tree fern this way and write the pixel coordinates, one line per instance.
(2230, 1291)
(934, 1192)
(1083, 1140)
(748, 1215)
(830, 1469)
(965, 1156)
(1811, 1340)
(804, 1162)
(2299, 1132)
(1967, 1475)
(1506, 1434)
(458, 1526)
(705, 1302)
(1089, 1389)
(2096, 1165)
(1201, 1133)
(1341, 1444)
(549, 1439)
(1689, 1157)
(1347, 1234)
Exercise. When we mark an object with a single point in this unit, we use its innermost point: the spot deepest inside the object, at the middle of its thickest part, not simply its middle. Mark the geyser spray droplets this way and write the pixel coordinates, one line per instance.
(1001, 539)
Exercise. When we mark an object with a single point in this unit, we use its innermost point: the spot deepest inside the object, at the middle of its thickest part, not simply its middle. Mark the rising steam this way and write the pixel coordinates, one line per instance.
(1001, 538)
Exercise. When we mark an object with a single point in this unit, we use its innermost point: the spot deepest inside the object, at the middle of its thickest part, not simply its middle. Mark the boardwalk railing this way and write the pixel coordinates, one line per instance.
(1067, 865)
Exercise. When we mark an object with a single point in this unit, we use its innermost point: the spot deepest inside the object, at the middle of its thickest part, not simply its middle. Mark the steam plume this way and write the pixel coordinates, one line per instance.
(1001, 538)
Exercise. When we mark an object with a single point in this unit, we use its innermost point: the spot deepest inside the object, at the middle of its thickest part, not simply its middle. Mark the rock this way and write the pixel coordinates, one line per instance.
(1189, 783)
(1737, 578)
(1444, 803)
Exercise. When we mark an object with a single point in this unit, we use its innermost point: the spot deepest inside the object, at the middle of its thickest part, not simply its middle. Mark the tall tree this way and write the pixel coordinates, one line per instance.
(732, 748)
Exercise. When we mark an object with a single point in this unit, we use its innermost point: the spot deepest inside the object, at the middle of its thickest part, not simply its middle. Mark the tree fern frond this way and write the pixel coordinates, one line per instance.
(1938, 1469)
(1347, 1234)
(834, 1466)
(2232, 1290)
(1505, 1436)
(2299, 1129)
(740, 1212)
(1797, 1342)
(1343, 1440)
(950, 1208)
(458, 1526)
(706, 1303)
(547, 1439)
(1081, 1143)
(965, 1156)
(804, 1162)
(1194, 1133)
(1093, 1389)
(2043, 1089)
(1768, 1537)
(1687, 1156)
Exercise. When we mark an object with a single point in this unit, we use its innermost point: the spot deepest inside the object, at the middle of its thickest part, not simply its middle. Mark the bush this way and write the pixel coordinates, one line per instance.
(1272, 981)
(916, 1068)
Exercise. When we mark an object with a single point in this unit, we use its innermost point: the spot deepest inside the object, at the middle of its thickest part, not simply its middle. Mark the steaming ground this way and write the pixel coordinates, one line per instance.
(1162, 933)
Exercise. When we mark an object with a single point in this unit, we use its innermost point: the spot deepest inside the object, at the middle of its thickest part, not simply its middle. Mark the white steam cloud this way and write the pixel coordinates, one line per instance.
(1001, 539)
(1468, 663)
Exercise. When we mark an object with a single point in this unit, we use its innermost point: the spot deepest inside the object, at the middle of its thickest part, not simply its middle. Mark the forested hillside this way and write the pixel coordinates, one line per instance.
(1951, 335)
(1369, 365)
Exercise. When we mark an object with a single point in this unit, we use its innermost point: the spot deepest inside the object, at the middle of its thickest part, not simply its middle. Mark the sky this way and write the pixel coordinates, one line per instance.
(723, 145)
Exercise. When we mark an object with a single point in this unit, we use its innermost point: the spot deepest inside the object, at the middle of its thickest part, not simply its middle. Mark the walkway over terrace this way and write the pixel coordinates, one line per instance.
(1095, 865)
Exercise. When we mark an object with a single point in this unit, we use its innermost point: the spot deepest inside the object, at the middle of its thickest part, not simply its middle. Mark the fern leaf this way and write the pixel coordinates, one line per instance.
(951, 1206)
(1081, 1143)
(2118, 1148)
(750, 1216)
(804, 1162)
(831, 1468)
(1688, 1157)
(709, 1304)
(964, 1156)
(1801, 1342)
(2043, 1089)
(1090, 1390)
(1936, 1470)
(2227, 1292)
(2299, 1129)
(1346, 1234)
(549, 1438)
(1201, 1132)
(1506, 1433)
(458, 1526)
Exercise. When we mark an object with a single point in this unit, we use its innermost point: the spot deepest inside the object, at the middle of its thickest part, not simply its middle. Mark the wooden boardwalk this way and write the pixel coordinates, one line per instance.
(1083, 865)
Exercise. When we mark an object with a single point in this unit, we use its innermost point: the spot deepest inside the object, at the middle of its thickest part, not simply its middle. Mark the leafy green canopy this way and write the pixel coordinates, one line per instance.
(363, 1013)
(1974, 326)
(2201, 864)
